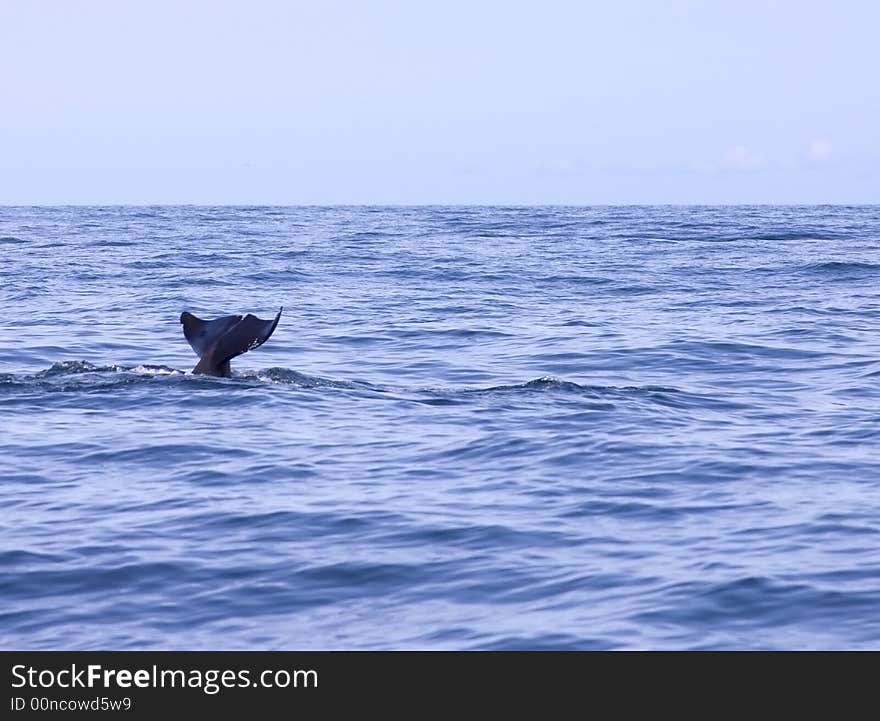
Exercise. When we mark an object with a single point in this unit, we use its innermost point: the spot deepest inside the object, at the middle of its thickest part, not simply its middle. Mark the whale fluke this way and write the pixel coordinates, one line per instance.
(218, 341)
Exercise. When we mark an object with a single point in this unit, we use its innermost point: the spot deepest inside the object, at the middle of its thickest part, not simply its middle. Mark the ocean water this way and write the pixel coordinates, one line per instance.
(474, 428)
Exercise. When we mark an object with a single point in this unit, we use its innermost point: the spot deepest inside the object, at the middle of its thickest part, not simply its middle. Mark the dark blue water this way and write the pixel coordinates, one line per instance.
(474, 428)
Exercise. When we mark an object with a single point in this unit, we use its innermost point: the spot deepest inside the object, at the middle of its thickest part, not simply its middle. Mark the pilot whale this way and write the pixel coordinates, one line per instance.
(218, 341)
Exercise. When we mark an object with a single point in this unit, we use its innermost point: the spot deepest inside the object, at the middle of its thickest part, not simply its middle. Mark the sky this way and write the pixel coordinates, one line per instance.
(385, 102)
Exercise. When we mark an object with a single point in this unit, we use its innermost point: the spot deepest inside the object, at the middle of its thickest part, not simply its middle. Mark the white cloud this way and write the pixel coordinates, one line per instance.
(739, 157)
(819, 149)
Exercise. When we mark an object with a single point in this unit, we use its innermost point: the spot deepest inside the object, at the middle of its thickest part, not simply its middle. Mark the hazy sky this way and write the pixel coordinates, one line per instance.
(669, 101)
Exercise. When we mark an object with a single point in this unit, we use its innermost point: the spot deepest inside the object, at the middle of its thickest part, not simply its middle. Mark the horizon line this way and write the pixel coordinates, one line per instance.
(440, 205)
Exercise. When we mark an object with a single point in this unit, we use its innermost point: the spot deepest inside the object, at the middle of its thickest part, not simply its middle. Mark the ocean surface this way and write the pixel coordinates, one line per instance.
(474, 428)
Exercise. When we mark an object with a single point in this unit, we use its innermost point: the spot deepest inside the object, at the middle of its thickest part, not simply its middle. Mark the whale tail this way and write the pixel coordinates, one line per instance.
(218, 341)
